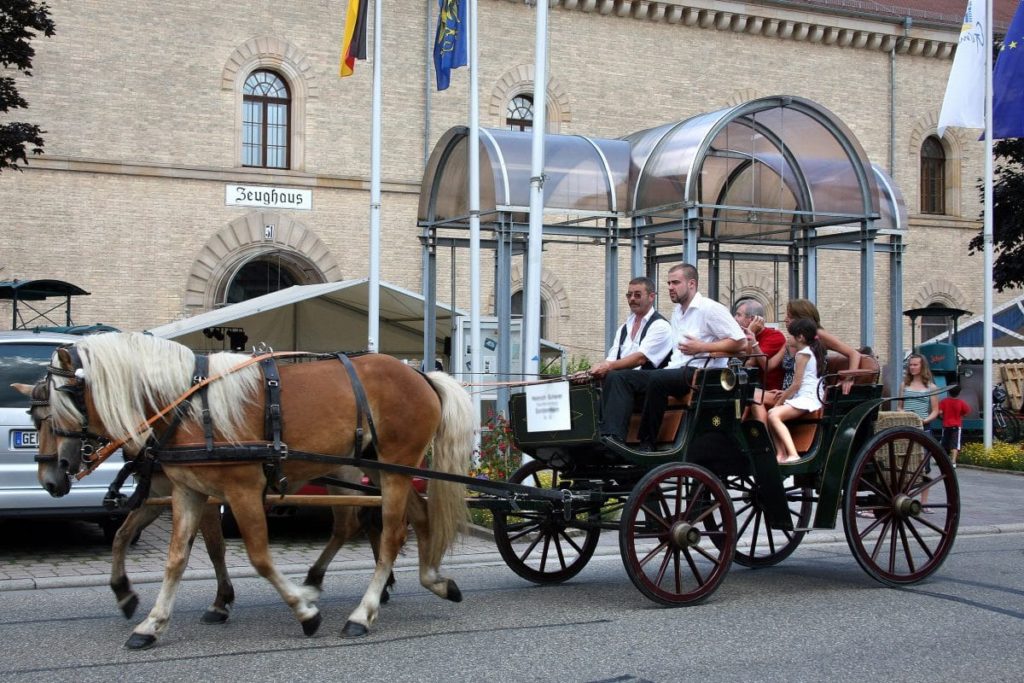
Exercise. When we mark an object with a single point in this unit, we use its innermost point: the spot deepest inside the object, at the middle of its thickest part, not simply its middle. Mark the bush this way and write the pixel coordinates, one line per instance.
(1003, 456)
(498, 457)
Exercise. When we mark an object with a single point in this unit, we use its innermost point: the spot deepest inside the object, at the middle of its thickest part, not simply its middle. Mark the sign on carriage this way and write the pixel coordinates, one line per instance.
(268, 197)
(547, 407)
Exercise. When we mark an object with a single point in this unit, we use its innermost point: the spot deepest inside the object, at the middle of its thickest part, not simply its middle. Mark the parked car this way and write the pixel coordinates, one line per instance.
(24, 355)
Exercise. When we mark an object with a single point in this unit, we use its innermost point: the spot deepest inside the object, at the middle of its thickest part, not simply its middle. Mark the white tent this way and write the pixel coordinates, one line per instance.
(327, 317)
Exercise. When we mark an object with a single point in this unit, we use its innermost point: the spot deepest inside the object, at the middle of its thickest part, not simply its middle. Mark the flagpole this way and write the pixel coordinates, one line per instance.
(531, 328)
(987, 234)
(474, 214)
(373, 313)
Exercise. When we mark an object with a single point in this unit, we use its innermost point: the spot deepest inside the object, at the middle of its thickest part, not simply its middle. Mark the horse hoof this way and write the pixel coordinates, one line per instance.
(453, 593)
(129, 606)
(354, 630)
(214, 616)
(384, 597)
(310, 626)
(139, 641)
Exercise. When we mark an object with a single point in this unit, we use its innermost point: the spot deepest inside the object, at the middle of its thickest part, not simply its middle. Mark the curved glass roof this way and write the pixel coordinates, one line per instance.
(761, 170)
(583, 175)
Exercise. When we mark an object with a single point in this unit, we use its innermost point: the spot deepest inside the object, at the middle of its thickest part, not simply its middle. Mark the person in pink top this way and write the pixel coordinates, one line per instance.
(953, 410)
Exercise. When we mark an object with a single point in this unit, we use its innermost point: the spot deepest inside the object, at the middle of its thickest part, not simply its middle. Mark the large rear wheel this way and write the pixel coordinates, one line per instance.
(540, 545)
(678, 534)
(901, 509)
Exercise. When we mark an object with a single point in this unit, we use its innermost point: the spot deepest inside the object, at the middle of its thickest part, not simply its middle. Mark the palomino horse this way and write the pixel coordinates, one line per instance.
(347, 524)
(107, 385)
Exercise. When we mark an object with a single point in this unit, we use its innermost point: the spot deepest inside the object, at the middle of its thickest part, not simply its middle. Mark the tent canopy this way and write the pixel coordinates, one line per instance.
(321, 318)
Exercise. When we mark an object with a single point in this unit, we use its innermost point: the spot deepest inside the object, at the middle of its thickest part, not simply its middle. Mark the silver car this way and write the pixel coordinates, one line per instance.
(24, 355)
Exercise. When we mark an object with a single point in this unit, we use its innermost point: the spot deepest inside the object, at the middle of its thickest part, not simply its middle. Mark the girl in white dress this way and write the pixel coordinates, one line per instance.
(802, 395)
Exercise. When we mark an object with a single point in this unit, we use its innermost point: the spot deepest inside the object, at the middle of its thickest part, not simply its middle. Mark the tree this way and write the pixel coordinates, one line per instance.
(1007, 215)
(20, 21)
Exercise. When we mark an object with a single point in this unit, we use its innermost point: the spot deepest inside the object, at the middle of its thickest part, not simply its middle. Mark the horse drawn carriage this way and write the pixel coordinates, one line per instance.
(712, 492)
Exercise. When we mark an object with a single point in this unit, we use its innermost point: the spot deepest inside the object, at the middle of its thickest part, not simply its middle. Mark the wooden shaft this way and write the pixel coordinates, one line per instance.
(314, 501)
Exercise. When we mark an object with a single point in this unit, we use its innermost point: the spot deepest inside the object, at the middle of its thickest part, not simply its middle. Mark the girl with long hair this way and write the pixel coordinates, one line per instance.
(801, 396)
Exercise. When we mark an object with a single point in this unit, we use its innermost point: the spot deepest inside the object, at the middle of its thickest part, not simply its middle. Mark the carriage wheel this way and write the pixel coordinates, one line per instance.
(902, 506)
(758, 543)
(1005, 427)
(541, 545)
(666, 553)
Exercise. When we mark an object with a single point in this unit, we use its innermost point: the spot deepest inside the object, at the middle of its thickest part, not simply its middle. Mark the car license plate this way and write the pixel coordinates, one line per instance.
(25, 438)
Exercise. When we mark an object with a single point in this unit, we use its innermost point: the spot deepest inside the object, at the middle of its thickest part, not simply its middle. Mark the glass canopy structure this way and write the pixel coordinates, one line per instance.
(773, 179)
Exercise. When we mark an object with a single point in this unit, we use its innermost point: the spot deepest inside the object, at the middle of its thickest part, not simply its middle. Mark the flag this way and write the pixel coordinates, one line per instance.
(354, 45)
(964, 103)
(450, 41)
(1008, 83)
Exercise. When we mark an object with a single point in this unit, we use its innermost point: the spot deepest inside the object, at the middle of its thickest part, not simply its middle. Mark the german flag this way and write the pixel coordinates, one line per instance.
(354, 45)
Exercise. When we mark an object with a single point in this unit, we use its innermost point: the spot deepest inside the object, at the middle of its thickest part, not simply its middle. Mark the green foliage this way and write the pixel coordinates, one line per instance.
(1007, 215)
(554, 367)
(20, 22)
(1003, 456)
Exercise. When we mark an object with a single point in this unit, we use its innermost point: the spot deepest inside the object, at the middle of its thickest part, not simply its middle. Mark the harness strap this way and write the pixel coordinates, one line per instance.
(202, 371)
(272, 413)
(362, 406)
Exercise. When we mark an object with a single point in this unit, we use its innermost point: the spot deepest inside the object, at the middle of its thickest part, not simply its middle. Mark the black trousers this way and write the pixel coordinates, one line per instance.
(622, 386)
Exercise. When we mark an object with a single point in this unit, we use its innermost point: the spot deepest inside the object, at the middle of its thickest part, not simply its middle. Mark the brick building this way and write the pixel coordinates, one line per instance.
(168, 126)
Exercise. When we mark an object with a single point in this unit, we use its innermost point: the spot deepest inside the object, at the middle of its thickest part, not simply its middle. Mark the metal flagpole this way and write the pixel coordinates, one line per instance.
(474, 214)
(373, 335)
(987, 234)
(531, 327)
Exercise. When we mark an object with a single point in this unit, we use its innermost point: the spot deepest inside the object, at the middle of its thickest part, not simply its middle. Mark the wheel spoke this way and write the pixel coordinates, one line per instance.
(921, 542)
(881, 539)
(906, 548)
(568, 539)
(544, 553)
(709, 511)
(647, 558)
(693, 567)
(694, 497)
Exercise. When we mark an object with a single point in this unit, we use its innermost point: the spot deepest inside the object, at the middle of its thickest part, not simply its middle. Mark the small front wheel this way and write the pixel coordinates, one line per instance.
(901, 508)
(1005, 426)
(540, 545)
(678, 534)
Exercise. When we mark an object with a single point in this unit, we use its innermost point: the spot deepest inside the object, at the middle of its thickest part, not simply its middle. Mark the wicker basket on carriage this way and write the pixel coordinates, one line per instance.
(902, 418)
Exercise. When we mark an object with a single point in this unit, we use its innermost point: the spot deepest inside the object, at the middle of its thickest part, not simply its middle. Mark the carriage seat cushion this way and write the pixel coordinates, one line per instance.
(837, 362)
(804, 428)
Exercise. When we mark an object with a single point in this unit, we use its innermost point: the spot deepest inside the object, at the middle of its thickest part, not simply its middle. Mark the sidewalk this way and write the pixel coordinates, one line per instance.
(991, 502)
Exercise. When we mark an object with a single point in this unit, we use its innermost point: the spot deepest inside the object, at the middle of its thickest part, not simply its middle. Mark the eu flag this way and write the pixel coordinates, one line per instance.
(1008, 83)
(450, 41)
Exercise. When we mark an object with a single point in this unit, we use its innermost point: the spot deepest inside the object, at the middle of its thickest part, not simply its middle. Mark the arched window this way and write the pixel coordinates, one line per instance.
(933, 176)
(518, 310)
(519, 112)
(260, 276)
(266, 115)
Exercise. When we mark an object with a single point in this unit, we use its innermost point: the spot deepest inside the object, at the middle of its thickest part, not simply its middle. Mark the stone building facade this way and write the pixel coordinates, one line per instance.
(144, 108)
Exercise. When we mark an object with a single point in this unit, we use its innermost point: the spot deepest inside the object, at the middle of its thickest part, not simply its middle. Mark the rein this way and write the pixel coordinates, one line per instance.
(107, 450)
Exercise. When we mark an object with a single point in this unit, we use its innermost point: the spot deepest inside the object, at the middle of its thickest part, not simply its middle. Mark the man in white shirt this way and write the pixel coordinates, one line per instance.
(700, 327)
(644, 341)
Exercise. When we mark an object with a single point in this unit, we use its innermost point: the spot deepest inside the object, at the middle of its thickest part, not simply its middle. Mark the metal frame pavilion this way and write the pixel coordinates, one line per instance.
(773, 179)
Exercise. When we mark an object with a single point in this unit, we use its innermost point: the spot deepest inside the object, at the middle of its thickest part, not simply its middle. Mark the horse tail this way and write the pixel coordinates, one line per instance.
(452, 453)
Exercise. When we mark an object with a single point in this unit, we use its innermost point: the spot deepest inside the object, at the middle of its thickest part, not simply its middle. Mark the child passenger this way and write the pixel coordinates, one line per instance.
(802, 395)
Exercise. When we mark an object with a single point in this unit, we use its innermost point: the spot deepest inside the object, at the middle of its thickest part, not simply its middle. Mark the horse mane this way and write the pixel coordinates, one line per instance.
(130, 376)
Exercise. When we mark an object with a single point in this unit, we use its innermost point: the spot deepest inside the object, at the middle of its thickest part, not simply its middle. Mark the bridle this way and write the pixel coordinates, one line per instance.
(91, 443)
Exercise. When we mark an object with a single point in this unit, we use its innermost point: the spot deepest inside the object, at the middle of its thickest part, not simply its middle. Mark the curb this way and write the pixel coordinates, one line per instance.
(818, 537)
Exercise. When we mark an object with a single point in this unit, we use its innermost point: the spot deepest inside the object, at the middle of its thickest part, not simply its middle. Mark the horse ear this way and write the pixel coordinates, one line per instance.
(64, 356)
(24, 389)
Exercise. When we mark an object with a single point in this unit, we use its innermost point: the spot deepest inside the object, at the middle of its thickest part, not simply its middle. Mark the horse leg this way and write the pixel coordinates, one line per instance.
(247, 505)
(372, 523)
(187, 508)
(137, 520)
(395, 490)
(346, 526)
(430, 572)
(213, 536)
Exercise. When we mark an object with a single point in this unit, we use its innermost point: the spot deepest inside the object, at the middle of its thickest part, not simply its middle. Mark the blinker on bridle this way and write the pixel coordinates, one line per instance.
(75, 389)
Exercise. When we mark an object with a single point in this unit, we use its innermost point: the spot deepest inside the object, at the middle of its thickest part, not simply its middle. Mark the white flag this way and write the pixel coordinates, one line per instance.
(964, 104)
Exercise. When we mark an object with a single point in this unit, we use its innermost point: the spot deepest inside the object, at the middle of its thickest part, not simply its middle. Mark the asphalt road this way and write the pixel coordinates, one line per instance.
(815, 617)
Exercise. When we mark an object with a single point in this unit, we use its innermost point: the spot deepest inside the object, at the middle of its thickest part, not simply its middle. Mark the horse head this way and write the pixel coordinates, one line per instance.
(70, 432)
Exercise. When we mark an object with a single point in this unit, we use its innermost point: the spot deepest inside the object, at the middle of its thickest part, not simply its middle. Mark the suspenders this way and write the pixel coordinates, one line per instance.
(643, 333)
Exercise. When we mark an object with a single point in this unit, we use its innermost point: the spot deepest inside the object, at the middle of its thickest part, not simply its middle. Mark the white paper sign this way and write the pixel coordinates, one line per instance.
(547, 407)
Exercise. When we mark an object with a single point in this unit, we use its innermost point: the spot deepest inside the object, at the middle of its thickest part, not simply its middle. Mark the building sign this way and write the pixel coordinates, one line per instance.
(268, 197)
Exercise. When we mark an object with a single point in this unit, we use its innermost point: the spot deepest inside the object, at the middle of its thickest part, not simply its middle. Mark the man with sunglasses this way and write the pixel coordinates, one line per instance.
(644, 341)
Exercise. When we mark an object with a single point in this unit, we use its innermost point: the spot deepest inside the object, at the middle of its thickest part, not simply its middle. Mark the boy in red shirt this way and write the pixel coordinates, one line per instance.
(953, 411)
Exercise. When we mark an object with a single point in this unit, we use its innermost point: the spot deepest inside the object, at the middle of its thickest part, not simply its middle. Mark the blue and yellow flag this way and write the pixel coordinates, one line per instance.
(1008, 83)
(450, 41)
(354, 45)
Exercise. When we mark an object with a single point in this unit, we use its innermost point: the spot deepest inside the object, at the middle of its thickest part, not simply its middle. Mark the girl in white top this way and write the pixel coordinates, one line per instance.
(802, 395)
